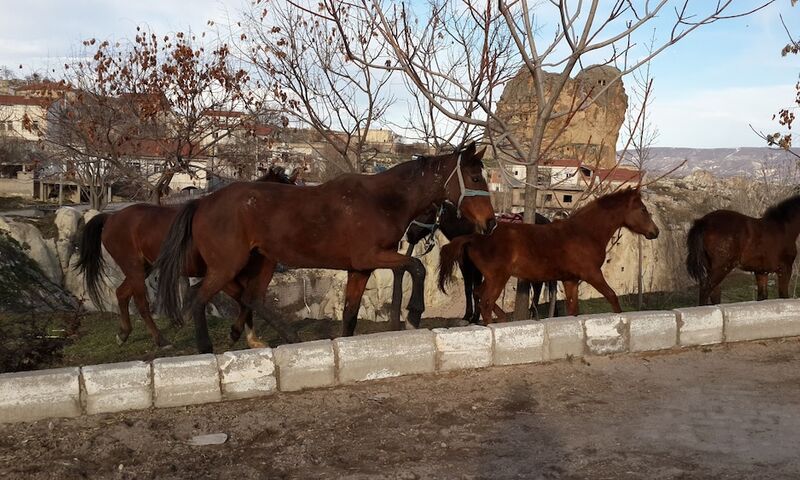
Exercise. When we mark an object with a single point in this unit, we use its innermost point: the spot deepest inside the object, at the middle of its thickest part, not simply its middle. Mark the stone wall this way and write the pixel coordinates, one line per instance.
(196, 379)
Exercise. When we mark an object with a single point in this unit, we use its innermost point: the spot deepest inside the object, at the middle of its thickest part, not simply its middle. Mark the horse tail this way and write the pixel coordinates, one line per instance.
(91, 263)
(697, 260)
(171, 262)
(450, 254)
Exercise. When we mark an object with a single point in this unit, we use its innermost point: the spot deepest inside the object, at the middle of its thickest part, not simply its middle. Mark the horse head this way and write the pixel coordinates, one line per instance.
(466, 188)
(637, 217)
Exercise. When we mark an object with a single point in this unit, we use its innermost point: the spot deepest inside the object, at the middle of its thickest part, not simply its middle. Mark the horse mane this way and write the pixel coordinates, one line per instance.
(609, 201)
(783, 211)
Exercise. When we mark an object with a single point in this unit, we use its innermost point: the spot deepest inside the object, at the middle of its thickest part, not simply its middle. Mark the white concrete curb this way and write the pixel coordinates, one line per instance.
(195, 379)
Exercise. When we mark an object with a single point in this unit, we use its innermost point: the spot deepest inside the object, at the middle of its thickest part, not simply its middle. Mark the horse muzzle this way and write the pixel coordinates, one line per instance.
(488, 227)
(652, 234)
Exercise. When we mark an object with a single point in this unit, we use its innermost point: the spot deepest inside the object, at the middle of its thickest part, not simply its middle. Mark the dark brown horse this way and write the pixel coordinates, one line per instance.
(352, 223)
(133, 237)
(724, 240)
(570, 250)
(446, 219)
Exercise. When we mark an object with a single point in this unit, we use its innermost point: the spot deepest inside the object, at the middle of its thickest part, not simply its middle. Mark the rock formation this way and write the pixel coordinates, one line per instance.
(592, 133)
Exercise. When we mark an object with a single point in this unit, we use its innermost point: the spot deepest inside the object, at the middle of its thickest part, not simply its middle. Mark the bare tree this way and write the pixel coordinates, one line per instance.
(786, 116)
(168, 98)
(549, 40)
(304, 67)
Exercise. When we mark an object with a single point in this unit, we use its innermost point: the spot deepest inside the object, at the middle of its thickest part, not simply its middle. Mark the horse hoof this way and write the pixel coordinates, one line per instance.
(122, 338)
(462, 323)
(410, 326)
(235, 335)
(165, 346)
(256, 344)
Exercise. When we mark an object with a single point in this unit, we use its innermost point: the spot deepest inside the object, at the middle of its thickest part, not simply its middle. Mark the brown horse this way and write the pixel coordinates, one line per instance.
(133, 237)
(570, 250)
(352, 223)
(724, 240)
(446, 219)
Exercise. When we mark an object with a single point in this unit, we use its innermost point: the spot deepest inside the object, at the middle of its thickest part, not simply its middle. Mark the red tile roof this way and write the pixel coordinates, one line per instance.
(46, 85)
(17, 100)
(620, 175)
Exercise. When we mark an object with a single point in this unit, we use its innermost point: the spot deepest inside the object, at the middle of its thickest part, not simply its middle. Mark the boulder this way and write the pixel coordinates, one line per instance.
(40, 250)
(67, 220)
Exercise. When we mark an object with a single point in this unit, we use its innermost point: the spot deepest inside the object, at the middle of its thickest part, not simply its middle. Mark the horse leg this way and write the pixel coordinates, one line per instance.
(255, 287)
(598, 281)
(356, 283)
(397, 293)
(124, 294)
(571, 294)
(761, 286)
(784, 277)
(490, 292)
(469, 286)
(210, 286)
(714, 285)
(537, 291)
(552, 288)
(391, 259)
(476, 279)
(244, 320)
(140, 297)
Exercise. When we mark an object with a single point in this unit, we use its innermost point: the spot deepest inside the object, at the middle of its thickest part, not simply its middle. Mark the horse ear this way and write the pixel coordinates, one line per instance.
(469, 149)
(479, 155)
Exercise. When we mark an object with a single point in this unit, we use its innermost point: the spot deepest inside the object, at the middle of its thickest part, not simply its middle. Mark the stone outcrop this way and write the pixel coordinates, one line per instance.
(67, 220)
(23, 286)
(40, 250)
(592, 132)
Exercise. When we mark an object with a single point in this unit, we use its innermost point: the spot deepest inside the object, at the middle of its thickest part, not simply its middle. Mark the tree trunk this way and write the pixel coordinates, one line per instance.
(522, 298)
(161, 187)
(640, 278)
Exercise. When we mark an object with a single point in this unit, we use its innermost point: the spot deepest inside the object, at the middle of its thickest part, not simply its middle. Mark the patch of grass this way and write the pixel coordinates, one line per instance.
(96, 339)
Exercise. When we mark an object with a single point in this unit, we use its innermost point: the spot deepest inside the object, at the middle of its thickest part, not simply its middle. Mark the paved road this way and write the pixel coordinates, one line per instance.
(723, 412)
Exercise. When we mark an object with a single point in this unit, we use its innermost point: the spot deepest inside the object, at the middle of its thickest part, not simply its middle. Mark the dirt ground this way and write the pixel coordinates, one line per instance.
(723, 412)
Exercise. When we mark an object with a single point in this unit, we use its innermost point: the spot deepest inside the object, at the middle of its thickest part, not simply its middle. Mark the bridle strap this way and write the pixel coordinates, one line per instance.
(464, 192)
(430, 239)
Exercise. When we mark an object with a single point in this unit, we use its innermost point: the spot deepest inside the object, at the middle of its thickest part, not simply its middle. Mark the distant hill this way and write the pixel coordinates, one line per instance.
(722, 162)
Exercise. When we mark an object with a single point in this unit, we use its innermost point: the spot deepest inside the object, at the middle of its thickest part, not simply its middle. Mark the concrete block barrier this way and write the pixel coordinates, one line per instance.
(765, 319)
(518, 342)
(564, 337)
(28, 396)
(117, 387)
(652, 330)
(606, 333)
(699, 325)
(305, 365)
(463, 347)
(247, 373)
(384, 355)
(179, 381)
(189, 380)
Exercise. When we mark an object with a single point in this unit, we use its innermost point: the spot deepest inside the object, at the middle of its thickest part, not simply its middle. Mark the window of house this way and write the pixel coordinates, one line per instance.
(567, 198)
(35, 125)
(548, 197)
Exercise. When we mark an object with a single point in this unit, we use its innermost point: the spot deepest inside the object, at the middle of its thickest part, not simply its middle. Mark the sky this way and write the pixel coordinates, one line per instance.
(708, 89)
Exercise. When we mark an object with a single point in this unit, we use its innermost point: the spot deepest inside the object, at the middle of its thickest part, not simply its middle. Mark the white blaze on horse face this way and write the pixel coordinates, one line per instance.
(251, 201)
